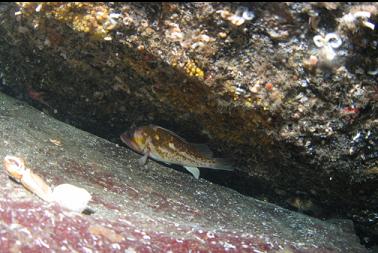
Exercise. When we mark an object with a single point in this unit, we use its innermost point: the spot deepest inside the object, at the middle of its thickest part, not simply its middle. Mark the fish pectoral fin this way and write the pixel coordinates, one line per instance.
(194, 170)
(143, 160)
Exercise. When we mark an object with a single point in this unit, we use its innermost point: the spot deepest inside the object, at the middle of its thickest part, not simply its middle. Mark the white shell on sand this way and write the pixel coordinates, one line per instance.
(71, 197)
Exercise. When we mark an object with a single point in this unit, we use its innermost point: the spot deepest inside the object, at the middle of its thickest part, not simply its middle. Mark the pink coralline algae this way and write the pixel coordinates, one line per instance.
(29, 227)
(44, 230)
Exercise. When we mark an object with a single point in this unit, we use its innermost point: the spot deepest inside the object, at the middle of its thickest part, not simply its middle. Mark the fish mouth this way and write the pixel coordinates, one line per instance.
(125, 138)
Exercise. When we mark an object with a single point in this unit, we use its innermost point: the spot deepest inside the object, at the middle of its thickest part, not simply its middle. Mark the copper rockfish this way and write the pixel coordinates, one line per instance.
(165, 146)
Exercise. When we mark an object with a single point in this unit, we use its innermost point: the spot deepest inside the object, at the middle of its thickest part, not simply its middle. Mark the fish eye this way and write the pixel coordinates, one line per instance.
(125, 136)
(128, 134)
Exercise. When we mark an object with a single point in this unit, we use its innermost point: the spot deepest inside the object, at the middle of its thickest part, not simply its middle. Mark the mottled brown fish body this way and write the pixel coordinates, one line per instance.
(174, 149)
(165, 146)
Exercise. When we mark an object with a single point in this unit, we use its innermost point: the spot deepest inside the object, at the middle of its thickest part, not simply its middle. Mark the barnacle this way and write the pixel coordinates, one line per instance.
(174, 32)
(350, 20)
(241, 15)
(244, 13)
(200, 42)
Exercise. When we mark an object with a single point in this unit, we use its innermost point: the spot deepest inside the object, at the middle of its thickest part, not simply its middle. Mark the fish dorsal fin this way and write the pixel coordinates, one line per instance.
(203, 148)
(170, 132)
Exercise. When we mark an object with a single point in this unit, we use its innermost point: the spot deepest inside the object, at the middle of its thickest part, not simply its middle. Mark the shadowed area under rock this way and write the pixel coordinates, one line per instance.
(135, 209)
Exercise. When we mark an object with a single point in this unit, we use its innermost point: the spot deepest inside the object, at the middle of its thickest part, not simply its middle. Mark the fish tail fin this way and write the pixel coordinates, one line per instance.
(222, 164)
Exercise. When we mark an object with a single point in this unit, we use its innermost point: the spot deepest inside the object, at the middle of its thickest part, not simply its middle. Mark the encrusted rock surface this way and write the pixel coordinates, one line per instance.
(155, 209)
(288, 91)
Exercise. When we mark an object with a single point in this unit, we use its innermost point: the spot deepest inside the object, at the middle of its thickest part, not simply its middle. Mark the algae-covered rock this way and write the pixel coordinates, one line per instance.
(155, 209)
(287, 91)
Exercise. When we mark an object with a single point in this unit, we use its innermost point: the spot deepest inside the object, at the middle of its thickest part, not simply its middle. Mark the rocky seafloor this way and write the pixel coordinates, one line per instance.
(136, 209)
(287, 91)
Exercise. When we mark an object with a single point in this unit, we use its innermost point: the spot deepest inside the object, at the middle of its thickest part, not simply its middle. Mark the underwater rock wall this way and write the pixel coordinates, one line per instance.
(287, 91)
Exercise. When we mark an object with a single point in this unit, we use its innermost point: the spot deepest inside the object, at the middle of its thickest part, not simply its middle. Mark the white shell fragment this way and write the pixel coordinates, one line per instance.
(359, 17)
(368, 24)
(362, 14)
(373, 72)
(71, 197)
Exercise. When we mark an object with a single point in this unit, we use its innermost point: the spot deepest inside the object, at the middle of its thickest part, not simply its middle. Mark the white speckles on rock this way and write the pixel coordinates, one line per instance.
(210, 235)
(228, 246)
(131, 238)
(146, 237)
(87, 250)
(116, 246)
(40, 242)
(130, 250)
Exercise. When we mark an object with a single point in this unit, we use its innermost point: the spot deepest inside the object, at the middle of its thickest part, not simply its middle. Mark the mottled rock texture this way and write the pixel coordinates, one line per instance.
(297, 118)
(154, 209)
